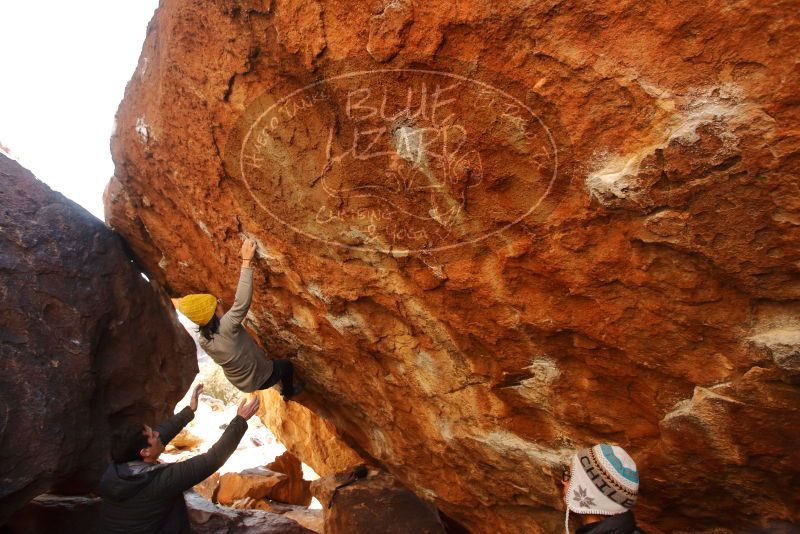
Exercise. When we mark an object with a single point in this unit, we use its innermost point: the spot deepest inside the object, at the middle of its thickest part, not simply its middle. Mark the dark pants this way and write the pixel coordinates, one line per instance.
(283, 371)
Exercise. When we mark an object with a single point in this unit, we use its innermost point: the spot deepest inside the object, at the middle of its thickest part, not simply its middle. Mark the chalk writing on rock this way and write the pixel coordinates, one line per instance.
(397, 160)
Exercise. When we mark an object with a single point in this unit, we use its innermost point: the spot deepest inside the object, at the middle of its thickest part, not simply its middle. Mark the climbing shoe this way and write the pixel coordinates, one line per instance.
(295, 391)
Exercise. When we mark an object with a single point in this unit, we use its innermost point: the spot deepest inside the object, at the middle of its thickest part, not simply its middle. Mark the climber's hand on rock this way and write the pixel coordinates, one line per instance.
(195, 394)
(248, 409)
(248, 249)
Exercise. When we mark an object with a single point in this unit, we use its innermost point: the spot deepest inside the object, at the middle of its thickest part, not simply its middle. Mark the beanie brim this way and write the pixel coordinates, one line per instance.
(597, 486)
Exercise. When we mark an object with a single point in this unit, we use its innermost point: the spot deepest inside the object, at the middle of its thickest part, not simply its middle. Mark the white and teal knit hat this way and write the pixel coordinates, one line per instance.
(604, 481)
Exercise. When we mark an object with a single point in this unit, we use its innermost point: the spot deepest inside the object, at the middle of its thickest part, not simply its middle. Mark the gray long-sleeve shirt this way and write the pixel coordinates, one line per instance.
(245, 364)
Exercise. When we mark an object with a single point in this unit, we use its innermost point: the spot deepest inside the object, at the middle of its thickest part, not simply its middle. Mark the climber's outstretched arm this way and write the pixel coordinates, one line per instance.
(244, 291)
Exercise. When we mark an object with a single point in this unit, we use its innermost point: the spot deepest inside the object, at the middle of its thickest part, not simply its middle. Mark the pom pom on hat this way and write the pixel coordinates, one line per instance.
(198, 308)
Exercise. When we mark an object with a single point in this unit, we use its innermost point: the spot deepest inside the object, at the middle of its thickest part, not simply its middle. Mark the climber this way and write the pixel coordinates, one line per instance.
(601, 484)
(141, 495)
(225, 339)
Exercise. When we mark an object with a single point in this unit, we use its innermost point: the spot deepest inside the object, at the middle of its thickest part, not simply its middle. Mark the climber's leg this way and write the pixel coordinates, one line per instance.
(287, 380)
(283, 372)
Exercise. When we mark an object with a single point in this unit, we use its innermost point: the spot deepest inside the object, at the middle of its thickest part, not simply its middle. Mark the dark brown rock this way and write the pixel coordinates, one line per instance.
(48, 514)
(209, 518)
(311, 519)
(377, 503)
(85, 342)
(51, 514)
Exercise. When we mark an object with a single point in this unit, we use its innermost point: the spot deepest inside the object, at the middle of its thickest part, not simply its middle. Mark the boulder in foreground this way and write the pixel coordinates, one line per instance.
(86, 343)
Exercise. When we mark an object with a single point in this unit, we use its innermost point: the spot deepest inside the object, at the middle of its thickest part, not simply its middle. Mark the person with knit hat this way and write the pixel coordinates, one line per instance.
(601, 484)
(224, 338)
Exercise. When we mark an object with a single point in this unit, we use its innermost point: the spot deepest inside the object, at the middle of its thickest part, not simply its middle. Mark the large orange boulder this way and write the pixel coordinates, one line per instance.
(255, 483)
(307, 435)
(281, 481)
(293, 490)
(86, 343)
(491, 233)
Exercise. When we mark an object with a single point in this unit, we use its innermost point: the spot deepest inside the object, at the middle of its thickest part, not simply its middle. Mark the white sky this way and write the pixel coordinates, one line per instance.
(63, 69)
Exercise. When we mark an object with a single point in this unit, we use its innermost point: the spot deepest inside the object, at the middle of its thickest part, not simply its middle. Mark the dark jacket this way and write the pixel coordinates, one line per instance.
(615, 524)
(141, 497)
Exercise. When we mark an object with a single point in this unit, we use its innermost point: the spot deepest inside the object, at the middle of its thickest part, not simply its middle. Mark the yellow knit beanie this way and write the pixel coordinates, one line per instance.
(198, 308)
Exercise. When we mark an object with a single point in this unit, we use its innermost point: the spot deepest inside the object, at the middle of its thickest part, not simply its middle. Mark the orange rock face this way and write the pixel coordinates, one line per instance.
(493, 232)
(285, 485)
(185, 440)
(254, 483)
(294, 490)
(311, 438)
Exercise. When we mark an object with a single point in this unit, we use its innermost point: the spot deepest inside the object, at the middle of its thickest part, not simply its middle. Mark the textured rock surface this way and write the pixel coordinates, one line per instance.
(293, 490)
(209, 518)
(255, 483)
(57, 513)
(85, 342)
(258, 483)
(185, 440)
(377, 503)
(47, 514)
(311, 519)
(650, 299)
(207, 489)
(315, 441)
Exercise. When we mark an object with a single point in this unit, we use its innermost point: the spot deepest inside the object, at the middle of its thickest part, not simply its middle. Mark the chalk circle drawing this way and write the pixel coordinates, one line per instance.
(398, 161)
